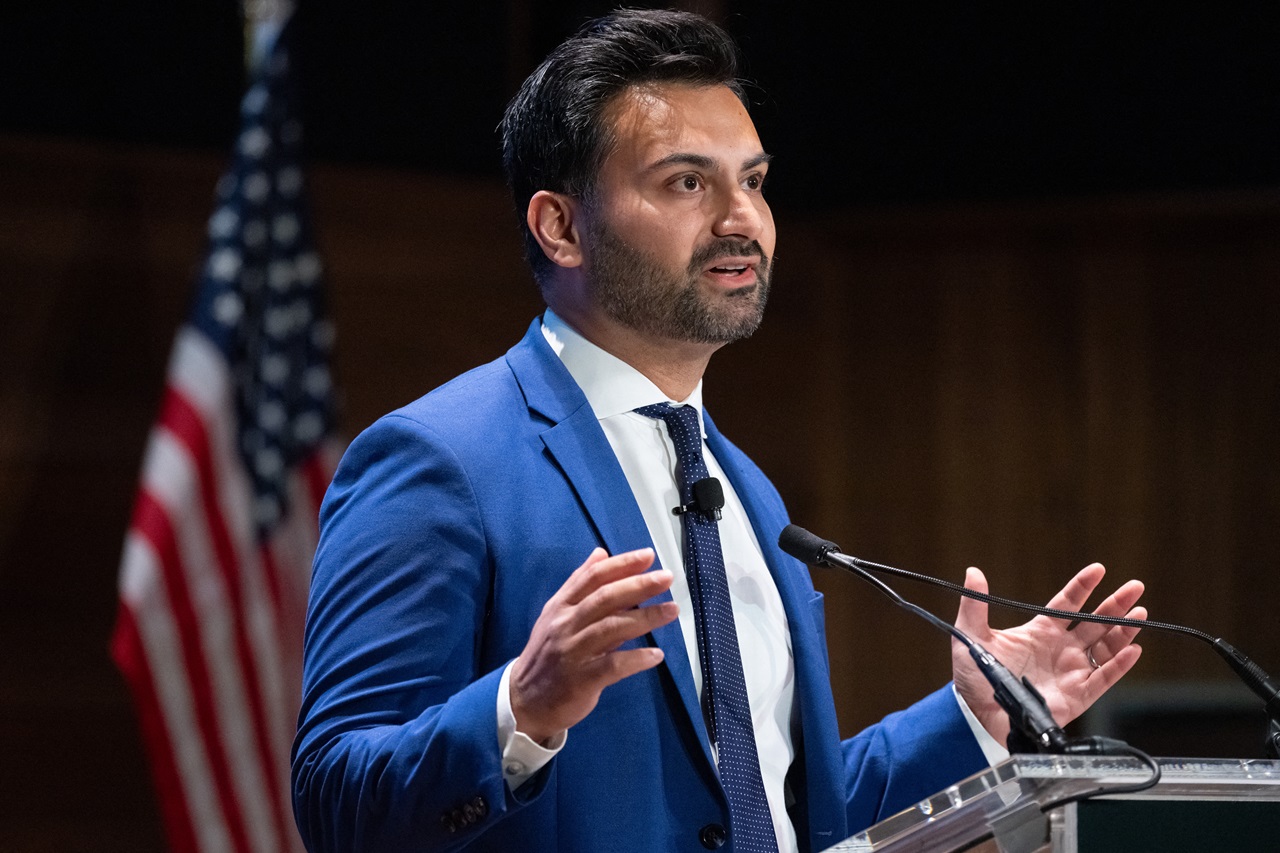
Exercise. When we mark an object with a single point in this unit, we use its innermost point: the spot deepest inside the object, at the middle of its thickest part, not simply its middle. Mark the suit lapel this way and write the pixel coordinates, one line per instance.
(575, 441)
(767, 522)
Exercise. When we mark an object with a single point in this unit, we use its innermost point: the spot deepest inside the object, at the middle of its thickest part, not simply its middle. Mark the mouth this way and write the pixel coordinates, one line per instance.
(733, 272)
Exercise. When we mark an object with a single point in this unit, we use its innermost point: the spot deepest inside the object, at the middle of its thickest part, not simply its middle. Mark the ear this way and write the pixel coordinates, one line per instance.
(552, 218)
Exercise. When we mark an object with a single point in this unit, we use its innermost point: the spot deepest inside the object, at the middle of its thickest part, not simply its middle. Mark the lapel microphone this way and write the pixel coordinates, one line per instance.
(708, 499)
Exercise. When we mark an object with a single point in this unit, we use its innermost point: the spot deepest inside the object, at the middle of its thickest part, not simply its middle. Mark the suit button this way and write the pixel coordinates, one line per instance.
(712, 836)
(480, 807)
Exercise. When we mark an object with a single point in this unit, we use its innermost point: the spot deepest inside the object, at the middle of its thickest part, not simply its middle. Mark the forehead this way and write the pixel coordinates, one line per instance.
(648, 123)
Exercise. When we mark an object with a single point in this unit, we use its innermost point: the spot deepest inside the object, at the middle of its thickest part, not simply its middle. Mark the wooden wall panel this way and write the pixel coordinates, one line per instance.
(1029, 388)
(1024, 388)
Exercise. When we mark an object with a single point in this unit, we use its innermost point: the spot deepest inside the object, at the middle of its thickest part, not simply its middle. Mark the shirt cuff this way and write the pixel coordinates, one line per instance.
(991, 748)
(522, 757)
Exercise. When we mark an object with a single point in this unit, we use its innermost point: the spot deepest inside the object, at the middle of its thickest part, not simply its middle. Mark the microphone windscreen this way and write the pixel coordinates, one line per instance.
(708, 494)
(804, 546)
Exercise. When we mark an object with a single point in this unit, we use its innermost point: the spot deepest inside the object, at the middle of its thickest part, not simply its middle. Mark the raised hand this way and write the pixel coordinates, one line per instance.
(572, 654)
(1071, 668)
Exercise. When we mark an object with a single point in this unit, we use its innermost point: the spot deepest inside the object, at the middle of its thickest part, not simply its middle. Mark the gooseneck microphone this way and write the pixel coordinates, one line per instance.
(1031, 725)
(816, 551)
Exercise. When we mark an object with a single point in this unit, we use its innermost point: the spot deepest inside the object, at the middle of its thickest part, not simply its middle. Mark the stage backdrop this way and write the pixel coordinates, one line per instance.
(1025, 388)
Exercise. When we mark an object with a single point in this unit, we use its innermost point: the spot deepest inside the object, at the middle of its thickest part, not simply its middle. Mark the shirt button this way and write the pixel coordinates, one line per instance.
(514, 768)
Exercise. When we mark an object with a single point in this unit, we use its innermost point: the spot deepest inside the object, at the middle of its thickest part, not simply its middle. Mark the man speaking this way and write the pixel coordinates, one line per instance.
(548, 611)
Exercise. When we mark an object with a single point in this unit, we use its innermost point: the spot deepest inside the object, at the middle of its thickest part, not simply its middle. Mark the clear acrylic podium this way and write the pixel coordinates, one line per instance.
(1200, 804)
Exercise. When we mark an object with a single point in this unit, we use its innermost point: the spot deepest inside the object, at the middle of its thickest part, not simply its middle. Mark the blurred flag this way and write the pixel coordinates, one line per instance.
(217, 559)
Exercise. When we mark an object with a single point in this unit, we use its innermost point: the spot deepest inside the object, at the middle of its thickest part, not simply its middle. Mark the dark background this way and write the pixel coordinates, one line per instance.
(860, 102)
(1027, 316)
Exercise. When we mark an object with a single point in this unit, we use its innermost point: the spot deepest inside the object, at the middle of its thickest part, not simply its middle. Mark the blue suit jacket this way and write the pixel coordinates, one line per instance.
(448, 525)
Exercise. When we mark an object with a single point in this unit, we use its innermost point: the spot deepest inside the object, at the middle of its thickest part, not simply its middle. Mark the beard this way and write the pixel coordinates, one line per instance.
(634, 289)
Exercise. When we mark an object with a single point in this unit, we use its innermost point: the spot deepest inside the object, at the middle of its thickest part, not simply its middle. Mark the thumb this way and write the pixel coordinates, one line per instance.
(972, 615)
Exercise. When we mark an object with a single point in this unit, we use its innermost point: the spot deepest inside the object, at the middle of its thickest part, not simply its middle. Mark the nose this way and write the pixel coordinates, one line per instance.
(742, 214)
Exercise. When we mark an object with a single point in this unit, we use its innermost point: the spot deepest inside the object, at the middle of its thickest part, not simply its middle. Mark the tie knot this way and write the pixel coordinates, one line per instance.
(685, 430)
(683, 425)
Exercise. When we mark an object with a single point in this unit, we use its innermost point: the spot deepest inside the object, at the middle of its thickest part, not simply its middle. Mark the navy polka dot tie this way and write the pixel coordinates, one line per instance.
(724, 689)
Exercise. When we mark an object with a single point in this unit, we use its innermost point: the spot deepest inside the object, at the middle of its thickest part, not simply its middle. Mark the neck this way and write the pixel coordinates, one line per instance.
(676, 367)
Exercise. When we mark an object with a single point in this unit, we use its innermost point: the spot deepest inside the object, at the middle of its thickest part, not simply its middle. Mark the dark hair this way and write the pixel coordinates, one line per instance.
(553, 133)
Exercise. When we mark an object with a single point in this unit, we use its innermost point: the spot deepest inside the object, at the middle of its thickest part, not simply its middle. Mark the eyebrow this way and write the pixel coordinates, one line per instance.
(702, 161)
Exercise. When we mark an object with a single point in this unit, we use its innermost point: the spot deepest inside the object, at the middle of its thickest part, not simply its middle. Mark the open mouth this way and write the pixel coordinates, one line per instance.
(734, 272)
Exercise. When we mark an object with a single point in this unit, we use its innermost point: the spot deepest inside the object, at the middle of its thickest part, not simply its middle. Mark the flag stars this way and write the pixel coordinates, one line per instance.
(268, 463)
(255, 100)
(278, 322)
(308, 427)
(266, 510)
(317, 381)
(225, 264)
(275, 369)
(257, 187)
(254, 142)
(289, 181)
(299, 315)
(261, 301)
(285, 228)
(322, 335)
(272, 416)
(280, 275)
(228, 308)
(223, 224)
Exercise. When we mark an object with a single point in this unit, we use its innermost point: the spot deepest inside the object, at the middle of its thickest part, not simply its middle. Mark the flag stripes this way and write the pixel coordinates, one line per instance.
(239, 709)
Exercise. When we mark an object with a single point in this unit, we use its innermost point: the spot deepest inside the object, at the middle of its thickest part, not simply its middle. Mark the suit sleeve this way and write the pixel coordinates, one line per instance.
(397, 745)
(908, 756)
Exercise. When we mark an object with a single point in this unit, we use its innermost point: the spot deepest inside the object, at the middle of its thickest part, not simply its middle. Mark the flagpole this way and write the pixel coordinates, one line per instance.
(263, 20)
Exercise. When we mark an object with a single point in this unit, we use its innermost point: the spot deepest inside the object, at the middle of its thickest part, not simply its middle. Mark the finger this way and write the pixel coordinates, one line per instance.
(619, 596)
(1117, 638)
(972, 615)
(606, 635)
(618, 665)
(600, 569)
(1106, 675)
(1077, 591)
(1119, 603)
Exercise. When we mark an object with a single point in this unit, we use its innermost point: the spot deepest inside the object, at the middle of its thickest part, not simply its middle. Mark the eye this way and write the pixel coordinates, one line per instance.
(688, 183)
(754, 182)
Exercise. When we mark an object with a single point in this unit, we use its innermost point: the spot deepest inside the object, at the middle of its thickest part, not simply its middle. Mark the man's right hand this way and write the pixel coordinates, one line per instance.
(572, 654)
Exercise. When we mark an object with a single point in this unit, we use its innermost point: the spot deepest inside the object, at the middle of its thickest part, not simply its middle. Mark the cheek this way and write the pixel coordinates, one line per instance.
(671, 237)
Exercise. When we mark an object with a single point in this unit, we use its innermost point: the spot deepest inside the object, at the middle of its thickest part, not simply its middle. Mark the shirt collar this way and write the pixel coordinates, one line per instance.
(610, 385)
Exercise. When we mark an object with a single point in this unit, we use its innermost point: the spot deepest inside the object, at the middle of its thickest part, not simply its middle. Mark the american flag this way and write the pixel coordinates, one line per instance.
(217, 559)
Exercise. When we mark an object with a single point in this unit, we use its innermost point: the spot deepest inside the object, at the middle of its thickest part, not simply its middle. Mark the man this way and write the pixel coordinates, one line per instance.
(466, 685)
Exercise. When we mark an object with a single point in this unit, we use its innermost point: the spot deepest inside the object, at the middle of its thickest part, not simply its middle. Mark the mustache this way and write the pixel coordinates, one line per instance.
(726, 247)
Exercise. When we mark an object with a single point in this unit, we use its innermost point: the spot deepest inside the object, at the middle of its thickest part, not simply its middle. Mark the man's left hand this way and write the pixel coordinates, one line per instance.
(1055, 659)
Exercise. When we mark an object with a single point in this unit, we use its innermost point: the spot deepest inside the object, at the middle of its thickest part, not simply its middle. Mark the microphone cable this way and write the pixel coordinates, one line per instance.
(1028, 713)
(1253, 676)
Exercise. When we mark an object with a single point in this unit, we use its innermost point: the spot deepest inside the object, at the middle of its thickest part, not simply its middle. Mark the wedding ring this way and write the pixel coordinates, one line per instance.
(1088, 654)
